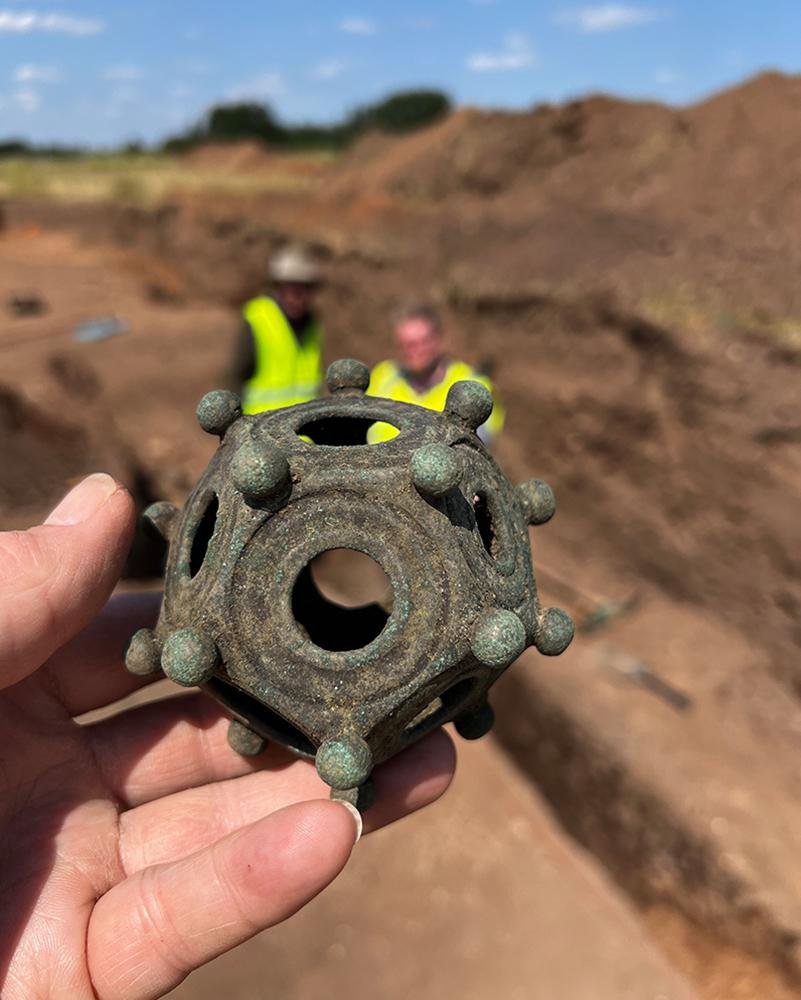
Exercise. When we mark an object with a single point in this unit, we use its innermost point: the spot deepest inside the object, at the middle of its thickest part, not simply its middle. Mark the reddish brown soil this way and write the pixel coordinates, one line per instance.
(249, 157)
(700, 205)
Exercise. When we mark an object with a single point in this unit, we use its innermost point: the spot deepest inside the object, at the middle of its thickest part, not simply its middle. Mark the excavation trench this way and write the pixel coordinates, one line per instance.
(701, 917)
(658, 478)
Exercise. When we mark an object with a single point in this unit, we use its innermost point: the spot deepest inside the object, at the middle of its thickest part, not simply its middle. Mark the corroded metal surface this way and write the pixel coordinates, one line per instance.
(349, 687)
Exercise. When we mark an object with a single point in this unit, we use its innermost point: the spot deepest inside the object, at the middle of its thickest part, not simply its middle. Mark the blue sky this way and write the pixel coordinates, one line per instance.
(101, 72)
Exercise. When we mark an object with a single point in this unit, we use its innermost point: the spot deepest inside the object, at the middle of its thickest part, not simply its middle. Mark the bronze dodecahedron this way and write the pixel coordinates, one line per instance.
(349, 687)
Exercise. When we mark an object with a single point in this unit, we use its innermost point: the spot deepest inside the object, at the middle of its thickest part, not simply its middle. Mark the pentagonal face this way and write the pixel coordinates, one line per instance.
(239, 569)
(493, 534)
(273, 652)
(200, 551)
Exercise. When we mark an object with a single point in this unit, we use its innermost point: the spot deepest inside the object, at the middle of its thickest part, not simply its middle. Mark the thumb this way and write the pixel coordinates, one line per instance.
(55, 577)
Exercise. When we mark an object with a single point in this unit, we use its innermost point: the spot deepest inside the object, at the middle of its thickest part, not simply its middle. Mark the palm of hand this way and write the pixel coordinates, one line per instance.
(135, 848)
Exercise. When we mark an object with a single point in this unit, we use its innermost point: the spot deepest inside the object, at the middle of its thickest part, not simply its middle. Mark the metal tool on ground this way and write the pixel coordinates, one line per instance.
(608, 611)
(602, 611)
(99, 329)
(639, 674)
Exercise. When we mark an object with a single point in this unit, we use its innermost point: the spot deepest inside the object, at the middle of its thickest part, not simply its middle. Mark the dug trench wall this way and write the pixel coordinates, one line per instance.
(671, 489)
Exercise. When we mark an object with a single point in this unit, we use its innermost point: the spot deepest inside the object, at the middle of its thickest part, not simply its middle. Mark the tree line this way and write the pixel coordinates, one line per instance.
(400, 112)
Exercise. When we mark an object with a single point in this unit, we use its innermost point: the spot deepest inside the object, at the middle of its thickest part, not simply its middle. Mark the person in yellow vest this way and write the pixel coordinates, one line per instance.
(422, 372)
(279, 355)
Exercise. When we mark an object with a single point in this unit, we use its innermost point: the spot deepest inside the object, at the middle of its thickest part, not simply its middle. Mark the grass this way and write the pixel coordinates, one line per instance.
(784, 334)
(681, 309)
(150, 178)
(678, 306)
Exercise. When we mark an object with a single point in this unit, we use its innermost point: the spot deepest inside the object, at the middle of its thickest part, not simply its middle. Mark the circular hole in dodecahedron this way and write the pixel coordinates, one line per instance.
(341, 432)
(342, 600)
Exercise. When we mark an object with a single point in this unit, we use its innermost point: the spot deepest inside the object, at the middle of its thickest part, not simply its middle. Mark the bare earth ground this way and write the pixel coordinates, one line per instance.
(482, 897)
(636, 819)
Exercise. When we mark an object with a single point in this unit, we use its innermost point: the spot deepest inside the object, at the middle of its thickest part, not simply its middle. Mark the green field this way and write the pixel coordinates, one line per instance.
(150, 177)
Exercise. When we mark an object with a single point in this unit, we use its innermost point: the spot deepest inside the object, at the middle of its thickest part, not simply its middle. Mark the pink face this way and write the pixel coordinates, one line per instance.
(295, 298)
(418, 344)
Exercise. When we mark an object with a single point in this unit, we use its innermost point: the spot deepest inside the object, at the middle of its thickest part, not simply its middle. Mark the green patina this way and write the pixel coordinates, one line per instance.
(349, 687)
(436, 469)
(499, 639)
(189, 657)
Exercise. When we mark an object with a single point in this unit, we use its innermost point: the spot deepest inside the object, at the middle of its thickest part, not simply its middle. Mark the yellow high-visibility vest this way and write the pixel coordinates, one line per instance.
(288, 371)
(387, 380)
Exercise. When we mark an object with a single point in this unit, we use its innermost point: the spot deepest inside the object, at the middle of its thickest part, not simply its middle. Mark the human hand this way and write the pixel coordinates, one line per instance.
(134, 849)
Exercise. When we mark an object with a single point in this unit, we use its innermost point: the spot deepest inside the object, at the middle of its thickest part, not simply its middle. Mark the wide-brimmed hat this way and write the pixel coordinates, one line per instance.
(294, 264)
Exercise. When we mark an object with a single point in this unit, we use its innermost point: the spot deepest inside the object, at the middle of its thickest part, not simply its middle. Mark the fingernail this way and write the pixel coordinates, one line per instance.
(83, 500)
(357, 818)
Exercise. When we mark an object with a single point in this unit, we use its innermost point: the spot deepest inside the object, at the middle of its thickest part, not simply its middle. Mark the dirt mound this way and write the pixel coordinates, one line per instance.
(484, 153)
(249, 157)
(673, 209)
(231, 156)
(604, 151)
(743, 153)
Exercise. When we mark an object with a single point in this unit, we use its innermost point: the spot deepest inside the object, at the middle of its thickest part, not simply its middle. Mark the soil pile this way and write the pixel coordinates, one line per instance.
(247, 157)
(229, 156)
(486, 153)
(599, 148)
(615, 193)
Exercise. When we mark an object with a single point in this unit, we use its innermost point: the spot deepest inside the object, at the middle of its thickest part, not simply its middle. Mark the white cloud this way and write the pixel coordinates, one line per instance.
(329, 69)
(515, 54)
(27, 100)
(358, 26)
(124, 71)
(266, 85)
(608, 17)
(32, 73)
(25, 22)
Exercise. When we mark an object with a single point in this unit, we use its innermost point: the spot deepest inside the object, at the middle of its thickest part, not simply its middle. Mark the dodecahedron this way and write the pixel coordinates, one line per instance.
(243, 618)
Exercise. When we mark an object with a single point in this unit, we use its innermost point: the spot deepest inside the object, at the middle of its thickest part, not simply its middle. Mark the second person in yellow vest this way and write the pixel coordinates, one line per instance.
(279, 354)
(422, 372)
